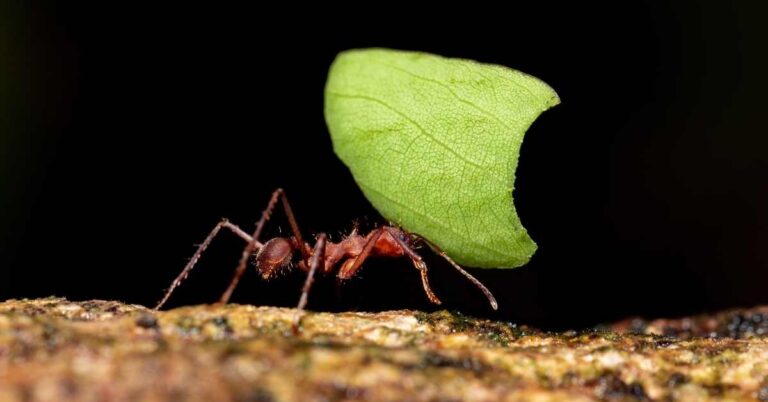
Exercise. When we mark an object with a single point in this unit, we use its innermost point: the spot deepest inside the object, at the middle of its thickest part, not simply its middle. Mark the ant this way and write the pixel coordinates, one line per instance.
(277, 253)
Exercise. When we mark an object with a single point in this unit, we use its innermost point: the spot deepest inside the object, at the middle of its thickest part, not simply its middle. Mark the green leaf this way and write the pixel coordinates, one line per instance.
(433, 143)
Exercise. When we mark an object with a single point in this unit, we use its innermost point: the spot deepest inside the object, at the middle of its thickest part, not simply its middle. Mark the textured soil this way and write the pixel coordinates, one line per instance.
(58, 350)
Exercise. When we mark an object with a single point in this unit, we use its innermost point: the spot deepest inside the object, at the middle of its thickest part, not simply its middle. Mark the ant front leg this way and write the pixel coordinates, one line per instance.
(318, 257)
(195, 257)
(252, 245)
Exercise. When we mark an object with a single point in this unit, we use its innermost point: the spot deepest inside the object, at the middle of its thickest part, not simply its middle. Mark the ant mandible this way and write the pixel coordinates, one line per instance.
(277, 253)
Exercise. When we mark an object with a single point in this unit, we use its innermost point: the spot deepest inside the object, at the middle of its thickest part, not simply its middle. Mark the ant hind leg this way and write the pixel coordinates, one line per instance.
(418, 262)
(475, 281)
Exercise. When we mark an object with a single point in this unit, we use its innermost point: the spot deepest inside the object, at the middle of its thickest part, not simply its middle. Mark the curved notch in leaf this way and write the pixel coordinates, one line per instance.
(433, 143)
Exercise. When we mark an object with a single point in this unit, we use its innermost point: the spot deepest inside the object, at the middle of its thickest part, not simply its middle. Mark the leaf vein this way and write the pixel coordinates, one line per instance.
(448, 88)
(415, 123)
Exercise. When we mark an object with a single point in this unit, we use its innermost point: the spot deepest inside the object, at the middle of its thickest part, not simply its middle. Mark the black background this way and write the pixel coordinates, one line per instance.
(129, 130)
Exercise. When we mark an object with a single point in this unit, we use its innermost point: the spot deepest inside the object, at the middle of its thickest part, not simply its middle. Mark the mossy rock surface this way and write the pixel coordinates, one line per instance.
(58, 350)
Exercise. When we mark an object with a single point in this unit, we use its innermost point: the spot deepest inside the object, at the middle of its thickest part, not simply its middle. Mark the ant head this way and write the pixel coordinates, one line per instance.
(273, 256)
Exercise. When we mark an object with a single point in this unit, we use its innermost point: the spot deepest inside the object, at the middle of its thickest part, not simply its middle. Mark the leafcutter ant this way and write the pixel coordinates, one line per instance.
(345, 257)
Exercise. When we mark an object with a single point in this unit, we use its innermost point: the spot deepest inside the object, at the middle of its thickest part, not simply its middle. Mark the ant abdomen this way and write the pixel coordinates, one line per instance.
(273, 256)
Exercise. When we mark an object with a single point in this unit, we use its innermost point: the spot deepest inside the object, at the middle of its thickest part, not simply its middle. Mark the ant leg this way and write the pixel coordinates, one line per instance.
(486, 292)
(195, 257)
(418, 262)
(318, 255)
(252, 245)
(348, 270)
(305, 255)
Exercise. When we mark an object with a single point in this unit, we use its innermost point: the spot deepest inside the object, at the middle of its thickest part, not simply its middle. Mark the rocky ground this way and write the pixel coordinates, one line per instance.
(58, 350)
